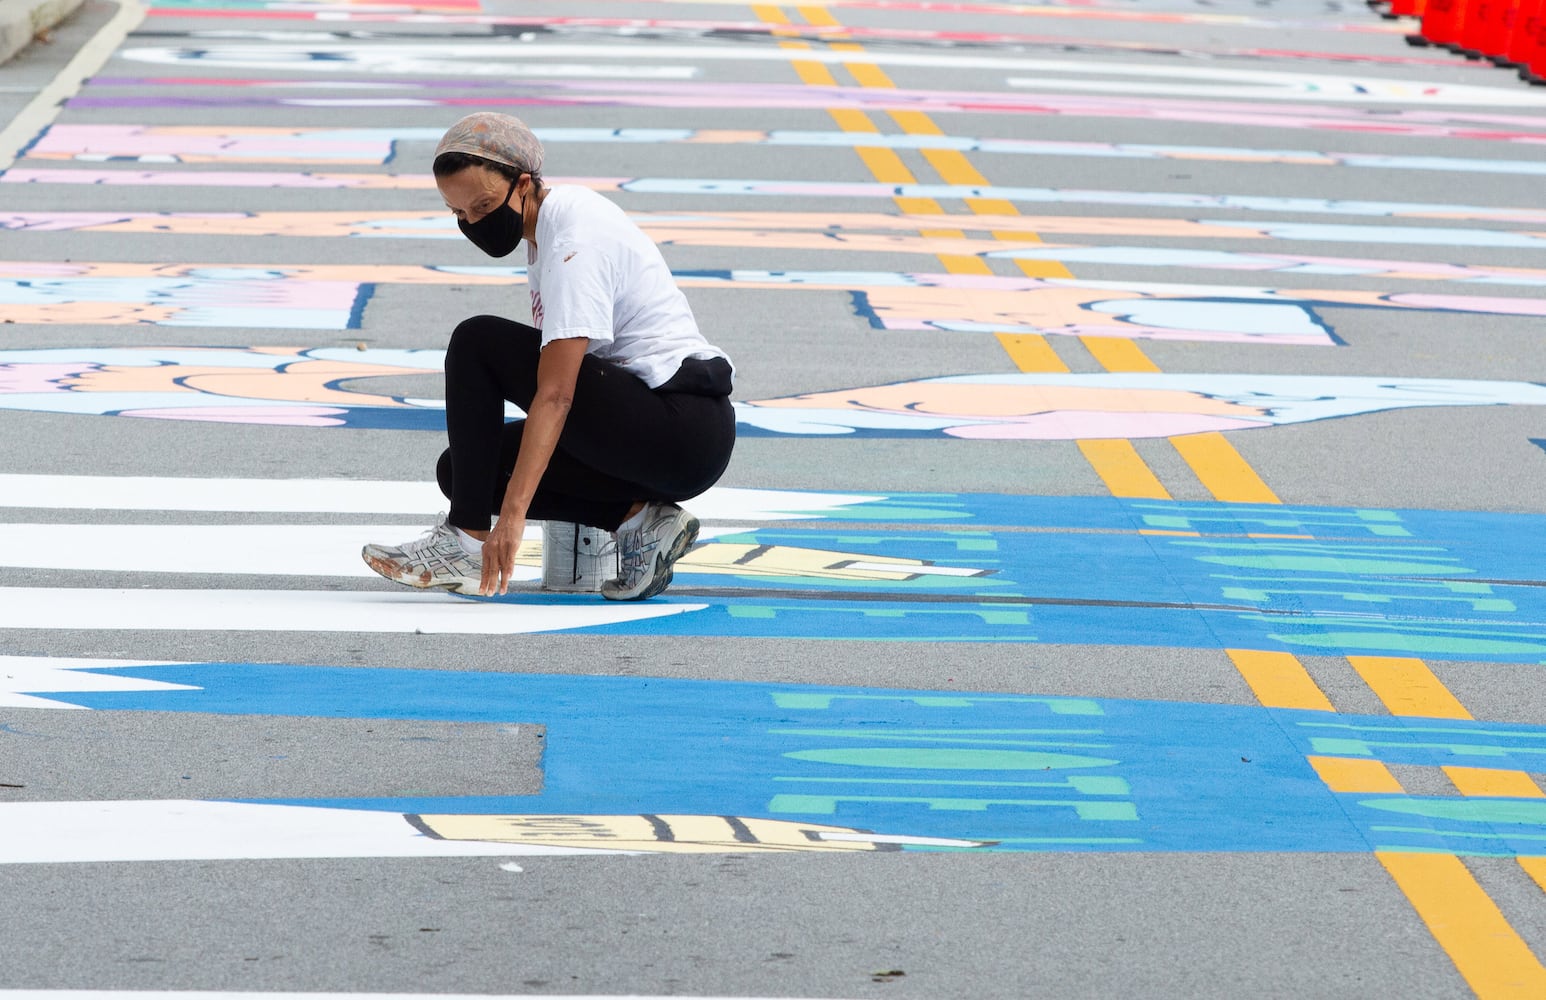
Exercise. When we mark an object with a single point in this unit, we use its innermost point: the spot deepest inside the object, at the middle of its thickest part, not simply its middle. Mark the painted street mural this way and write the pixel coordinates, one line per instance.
(216, 144)
(780, 767)
(664, 29)
(785, 97)
(329, 387)
(336, 297)
(1074, 196)
(1363, 238)
(1454, 585)
(580, 68)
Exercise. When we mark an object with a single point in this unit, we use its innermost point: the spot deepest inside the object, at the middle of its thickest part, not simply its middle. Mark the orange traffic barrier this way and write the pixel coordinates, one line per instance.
(1497, 45)
(1443, 23)
(1521, 42)
(1533, 58)
(1476, 21)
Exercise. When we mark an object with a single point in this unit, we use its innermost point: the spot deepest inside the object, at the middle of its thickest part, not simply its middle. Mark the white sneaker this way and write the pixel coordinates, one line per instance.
(646, 552)
(434, 559)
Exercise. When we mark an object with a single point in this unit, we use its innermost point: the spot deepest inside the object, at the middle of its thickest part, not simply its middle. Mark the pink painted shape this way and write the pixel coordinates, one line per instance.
(1086, 424)
(285, 416)
(236, 143)
(1473, 303)
(39, 378)
(167, 178)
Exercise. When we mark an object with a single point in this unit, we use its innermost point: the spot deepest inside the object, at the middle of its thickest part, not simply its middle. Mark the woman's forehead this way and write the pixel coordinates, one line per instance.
(471, 182)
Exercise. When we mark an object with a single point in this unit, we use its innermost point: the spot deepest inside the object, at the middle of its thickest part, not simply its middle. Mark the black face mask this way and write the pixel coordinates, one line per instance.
(498, 232)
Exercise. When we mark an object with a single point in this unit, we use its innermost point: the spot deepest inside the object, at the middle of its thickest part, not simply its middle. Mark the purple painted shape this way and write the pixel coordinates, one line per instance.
(718, 94)
(36, 378)
(169, 178)
(139, 141)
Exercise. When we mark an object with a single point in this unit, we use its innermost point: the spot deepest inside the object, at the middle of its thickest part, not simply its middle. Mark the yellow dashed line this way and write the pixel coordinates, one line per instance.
(817, 16)
(1031, 353)
(1356, 775)
(1536, 869)
(1489, 782)
(1222, 469)
(1465, 921)
(1123, 470)
(1117, 354)
(1407, 687)
(1489, 954)
(1279, 680)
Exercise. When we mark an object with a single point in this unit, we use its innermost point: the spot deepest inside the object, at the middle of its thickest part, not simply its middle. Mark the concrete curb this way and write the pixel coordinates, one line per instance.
(23, 20)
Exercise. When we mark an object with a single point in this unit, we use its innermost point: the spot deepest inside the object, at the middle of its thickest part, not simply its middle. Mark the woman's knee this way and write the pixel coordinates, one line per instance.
(472, 336)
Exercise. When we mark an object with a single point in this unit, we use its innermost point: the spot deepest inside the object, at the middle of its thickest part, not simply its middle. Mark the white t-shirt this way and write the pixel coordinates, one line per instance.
(595, 274)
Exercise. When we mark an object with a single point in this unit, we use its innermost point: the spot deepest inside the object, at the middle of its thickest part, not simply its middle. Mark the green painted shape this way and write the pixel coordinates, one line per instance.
(751, 611)
(826, 805)
(821, 700)
(1512, 812)
(892, 512)
(1414, 643)
(1284, 563)
(949, 759)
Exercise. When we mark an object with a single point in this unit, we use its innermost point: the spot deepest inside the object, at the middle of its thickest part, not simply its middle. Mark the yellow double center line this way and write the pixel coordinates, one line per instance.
(1488, 953)
(1218, 466)
(1486, 950)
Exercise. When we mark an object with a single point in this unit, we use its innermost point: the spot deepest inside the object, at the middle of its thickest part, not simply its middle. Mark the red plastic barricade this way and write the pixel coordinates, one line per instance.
(1476, 21)
(1533, 58)
(1521, 40)
(1496, 45)
(1443, 21)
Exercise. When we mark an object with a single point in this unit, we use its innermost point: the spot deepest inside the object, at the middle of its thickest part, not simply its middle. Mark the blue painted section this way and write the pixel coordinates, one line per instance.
(1438, 584)
(1029, 773)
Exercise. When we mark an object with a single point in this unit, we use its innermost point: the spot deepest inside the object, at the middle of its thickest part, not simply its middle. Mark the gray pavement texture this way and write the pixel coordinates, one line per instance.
(1313, 108)
(23, 22)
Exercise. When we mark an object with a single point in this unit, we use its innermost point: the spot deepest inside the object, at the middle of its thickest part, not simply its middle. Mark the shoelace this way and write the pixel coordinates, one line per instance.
(427, 548)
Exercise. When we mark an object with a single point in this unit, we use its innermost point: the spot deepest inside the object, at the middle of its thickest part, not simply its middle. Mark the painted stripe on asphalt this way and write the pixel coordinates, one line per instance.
(1486, 950)
(1406, 686)
(1279, 680)
(214, 995)
(405, 611)
(31, 120)
(352, 496)
(1356, 775)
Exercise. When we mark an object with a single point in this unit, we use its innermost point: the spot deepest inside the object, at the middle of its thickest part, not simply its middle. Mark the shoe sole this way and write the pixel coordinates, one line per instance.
(390, 571)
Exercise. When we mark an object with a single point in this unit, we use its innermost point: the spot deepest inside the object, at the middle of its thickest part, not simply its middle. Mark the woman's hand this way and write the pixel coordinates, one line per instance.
(499, 555)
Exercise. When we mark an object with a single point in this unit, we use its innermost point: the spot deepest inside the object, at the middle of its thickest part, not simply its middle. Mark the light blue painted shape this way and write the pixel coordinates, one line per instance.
(1017, 771)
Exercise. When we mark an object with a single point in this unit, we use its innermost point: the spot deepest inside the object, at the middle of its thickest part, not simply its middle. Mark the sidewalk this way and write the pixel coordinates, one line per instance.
(22, 20)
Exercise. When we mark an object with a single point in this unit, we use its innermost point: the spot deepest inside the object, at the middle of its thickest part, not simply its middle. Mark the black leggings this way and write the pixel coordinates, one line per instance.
(622, 441)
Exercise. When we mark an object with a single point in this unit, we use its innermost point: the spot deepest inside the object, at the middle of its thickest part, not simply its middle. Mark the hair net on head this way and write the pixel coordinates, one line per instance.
(501, 138)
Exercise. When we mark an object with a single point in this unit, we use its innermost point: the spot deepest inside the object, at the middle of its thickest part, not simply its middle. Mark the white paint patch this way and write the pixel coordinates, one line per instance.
(330, 550)
(352, 496)
(211, 995)
(511, 59)
(42, 673)
(192, 830)
(403, 611)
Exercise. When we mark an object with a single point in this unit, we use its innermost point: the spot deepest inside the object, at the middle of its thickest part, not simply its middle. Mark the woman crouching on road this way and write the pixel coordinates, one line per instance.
(627, 405)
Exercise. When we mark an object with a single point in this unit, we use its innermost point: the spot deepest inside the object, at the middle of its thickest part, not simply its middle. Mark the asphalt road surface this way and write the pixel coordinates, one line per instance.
(1130, 580)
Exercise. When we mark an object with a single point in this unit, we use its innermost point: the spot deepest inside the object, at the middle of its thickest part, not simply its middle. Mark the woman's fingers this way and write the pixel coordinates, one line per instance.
(498, 563)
